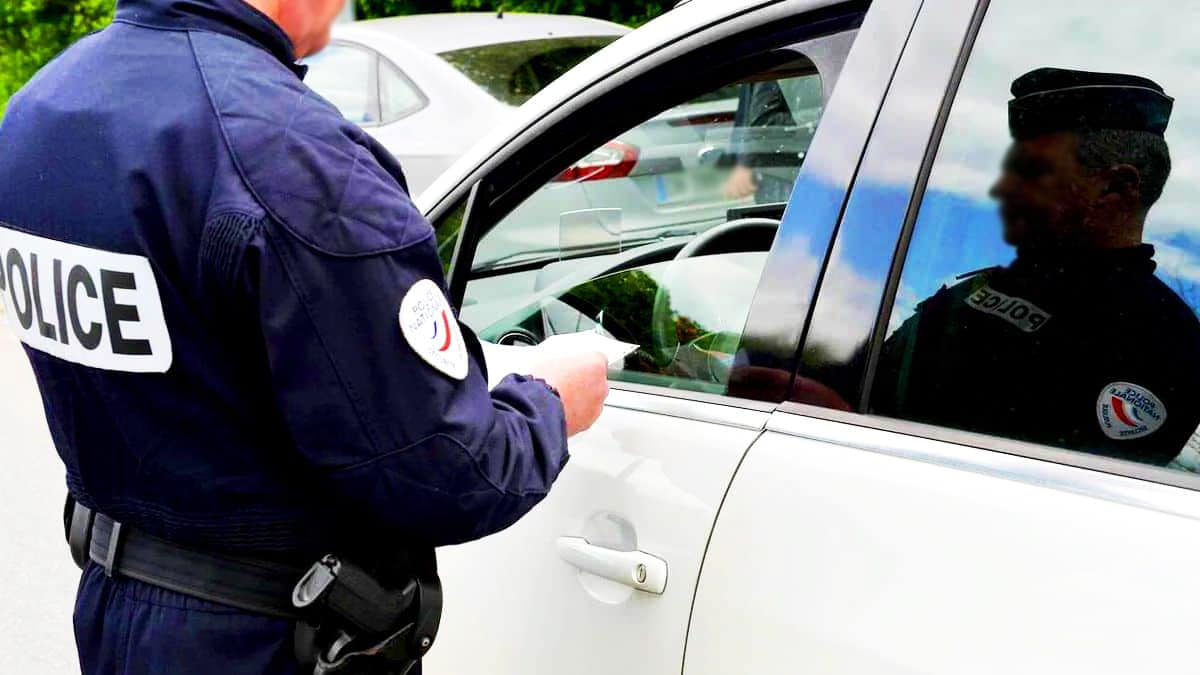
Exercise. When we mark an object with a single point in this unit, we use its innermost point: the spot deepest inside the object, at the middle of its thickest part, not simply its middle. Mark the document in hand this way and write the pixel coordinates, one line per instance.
(503, 359)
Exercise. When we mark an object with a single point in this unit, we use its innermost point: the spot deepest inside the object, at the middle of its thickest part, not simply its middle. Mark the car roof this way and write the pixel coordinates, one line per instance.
(679, 22)
(440, 33)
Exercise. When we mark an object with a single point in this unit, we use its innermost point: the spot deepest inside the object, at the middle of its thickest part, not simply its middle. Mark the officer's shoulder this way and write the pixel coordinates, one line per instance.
(317, 174)
(963, 284)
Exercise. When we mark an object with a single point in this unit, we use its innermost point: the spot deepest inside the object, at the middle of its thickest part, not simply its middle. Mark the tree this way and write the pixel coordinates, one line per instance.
(32, 32)
(370, 9)
(632, 12)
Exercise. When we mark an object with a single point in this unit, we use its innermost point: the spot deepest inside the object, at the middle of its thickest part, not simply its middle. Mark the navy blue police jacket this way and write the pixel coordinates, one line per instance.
(207, 264)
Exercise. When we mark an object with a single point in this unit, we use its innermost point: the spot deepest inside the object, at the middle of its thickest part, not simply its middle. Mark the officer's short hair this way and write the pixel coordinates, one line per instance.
(1147, 152)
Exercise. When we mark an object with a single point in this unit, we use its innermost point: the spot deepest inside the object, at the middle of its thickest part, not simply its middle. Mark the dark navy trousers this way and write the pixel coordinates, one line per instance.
(126, 627)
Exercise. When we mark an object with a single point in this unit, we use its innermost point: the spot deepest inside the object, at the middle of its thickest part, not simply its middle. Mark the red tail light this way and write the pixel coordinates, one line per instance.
(614, 159)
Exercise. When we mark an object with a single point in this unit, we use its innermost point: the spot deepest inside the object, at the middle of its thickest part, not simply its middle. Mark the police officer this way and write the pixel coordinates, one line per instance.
(1075, 343)
(238, 323)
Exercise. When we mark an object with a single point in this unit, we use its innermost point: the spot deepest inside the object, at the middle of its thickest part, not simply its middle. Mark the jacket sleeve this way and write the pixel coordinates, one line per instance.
(440, 459)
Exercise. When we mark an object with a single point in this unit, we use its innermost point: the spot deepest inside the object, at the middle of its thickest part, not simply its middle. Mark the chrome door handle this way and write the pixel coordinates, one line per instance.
(635, 569)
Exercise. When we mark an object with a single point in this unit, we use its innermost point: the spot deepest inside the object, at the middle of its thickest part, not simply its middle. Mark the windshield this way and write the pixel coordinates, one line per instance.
(512, 72)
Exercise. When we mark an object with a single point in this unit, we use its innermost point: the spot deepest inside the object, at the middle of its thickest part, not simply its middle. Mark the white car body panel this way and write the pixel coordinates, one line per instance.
(848, 550)
(631, 484)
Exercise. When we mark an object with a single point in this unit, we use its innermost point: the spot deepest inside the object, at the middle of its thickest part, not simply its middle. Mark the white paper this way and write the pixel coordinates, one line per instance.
(503, 360)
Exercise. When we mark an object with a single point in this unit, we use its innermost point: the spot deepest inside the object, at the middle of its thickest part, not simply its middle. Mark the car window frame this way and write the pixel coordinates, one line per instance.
(493, 196)
(904, 217)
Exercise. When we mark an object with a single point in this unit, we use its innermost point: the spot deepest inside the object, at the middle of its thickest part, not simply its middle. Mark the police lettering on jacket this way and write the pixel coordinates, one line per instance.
(1017, 311)
(83, 305)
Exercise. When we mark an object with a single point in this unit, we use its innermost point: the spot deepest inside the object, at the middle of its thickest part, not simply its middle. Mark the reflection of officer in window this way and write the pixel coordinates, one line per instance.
(1075, 343)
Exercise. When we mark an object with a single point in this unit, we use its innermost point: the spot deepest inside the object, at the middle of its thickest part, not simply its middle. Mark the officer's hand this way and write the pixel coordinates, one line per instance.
(582, 383)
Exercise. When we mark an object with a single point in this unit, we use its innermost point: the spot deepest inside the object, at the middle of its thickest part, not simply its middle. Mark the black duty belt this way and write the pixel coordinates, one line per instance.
(254, 585)
(347, 621)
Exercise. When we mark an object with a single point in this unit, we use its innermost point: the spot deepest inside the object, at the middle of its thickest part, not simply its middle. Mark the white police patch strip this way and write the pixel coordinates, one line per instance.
(1127, 410)
(83, 305)
(429, 326)
(1017, 311)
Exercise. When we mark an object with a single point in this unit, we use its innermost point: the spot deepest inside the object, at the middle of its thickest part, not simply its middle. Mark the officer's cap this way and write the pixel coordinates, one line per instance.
(1055, 99)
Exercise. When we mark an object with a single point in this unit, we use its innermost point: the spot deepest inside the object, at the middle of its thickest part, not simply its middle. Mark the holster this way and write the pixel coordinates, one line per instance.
(362, 626)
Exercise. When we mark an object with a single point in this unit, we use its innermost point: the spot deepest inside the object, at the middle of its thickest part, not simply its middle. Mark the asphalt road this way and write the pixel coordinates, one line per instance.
(37, 577)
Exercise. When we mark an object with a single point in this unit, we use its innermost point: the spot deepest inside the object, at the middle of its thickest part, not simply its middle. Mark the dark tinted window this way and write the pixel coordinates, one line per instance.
(1050, 289)
(512, 72)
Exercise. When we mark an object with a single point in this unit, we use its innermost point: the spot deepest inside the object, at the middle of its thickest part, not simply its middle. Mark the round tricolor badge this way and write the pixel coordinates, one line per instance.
(1127, 410)
(429, 326)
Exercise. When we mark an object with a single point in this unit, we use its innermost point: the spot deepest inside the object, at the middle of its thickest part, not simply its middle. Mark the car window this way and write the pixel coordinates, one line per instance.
(398, 96)
(512, 72)
(1051, 286)
(344, 76)
(636, 239)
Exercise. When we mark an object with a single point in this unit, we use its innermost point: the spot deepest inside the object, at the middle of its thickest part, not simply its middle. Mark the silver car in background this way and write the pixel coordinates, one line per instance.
(429, 86)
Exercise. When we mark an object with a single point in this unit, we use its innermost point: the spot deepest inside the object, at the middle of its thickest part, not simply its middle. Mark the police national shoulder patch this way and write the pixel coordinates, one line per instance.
(1128, 411)
(84, 305)
(429, 326)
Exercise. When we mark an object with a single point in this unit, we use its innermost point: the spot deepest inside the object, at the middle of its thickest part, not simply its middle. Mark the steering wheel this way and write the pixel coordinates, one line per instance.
(744, 235)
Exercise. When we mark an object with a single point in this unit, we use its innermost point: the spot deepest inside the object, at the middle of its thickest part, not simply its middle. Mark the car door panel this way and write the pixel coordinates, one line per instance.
(861, 544)
(844, 549)
(648, 477)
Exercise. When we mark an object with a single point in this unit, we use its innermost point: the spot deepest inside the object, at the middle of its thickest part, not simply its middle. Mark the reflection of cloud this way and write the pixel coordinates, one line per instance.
(848, 301)
(1019, 36)
(1177, 262)
(1022, 35)
(905, 306)
(855, 301)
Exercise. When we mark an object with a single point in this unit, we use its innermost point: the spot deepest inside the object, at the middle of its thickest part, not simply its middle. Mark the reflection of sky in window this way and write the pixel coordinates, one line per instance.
(958, 230)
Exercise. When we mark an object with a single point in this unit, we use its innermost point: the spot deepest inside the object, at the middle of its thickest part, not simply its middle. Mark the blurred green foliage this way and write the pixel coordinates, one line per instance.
(632, 12)
(33, 31)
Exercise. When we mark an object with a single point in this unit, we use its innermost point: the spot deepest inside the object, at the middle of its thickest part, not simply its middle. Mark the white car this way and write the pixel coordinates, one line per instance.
(741, 506)
(428, 86)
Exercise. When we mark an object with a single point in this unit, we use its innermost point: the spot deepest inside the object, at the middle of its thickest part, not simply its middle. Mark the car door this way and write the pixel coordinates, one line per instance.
(885, 540)
(575, 236)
